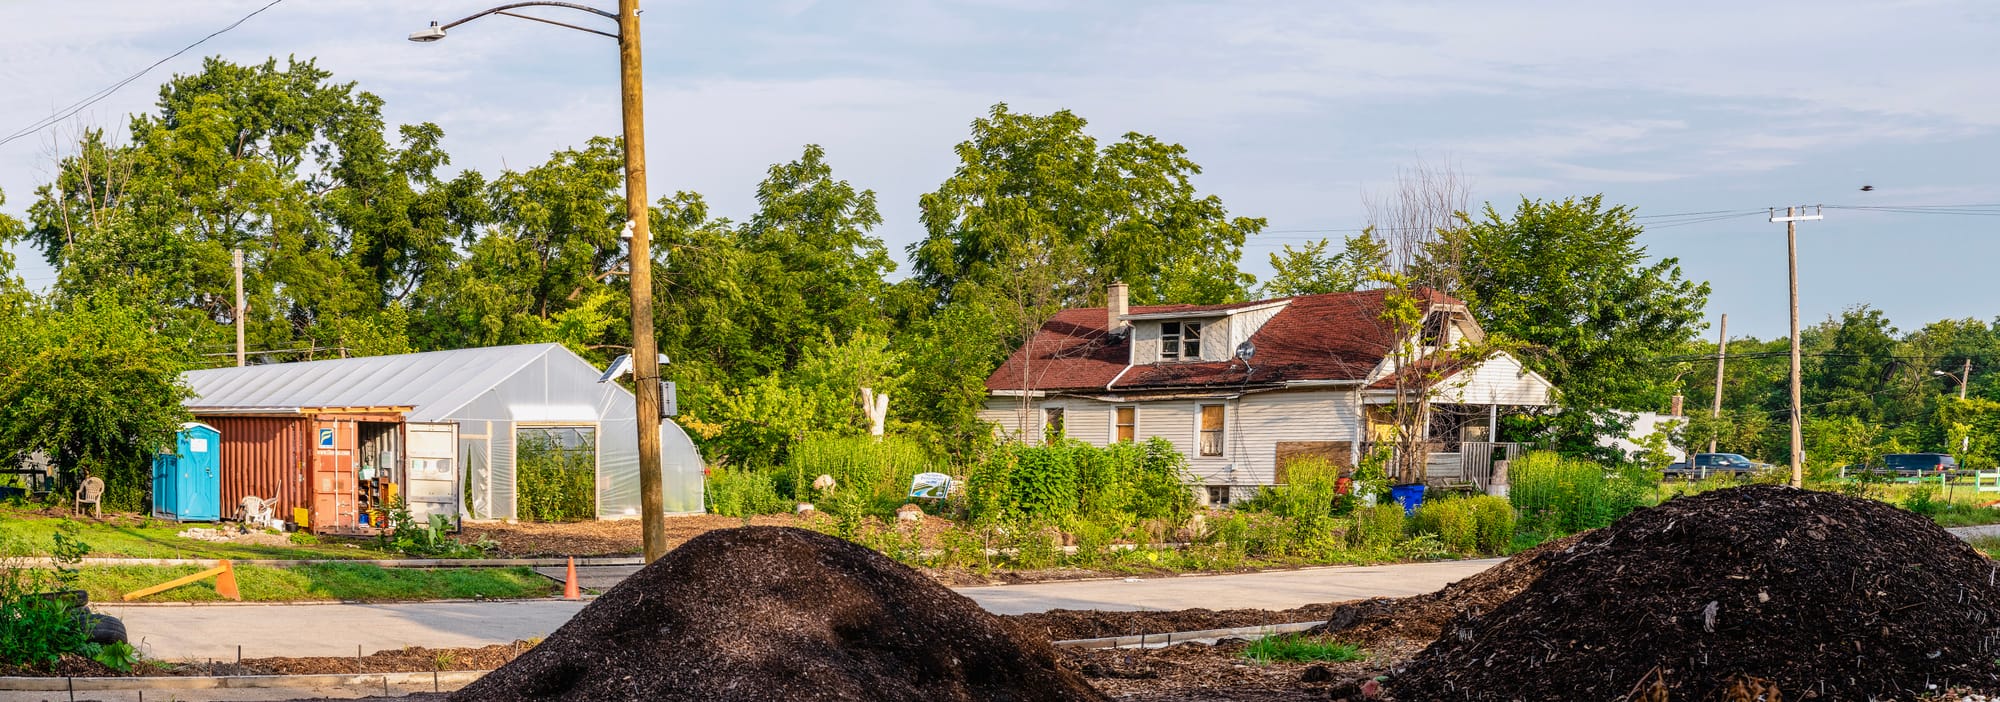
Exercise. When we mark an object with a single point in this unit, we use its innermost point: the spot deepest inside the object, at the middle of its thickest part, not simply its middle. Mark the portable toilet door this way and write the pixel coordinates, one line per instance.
(187, 485)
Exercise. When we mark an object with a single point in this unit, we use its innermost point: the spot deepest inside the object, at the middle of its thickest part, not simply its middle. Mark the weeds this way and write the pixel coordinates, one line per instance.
(1299, 648)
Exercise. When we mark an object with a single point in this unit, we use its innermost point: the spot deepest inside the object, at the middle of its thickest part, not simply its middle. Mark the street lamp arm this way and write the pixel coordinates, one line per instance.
(503, 10)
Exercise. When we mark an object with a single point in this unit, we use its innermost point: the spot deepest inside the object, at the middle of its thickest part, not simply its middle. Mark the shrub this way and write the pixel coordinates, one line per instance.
(1560, 496)
(1377, 527)
(1495, 517)
(742, 492)
(1451, 520)
(37, 626)
(1146, 481)
(1300, 648)
(876, 471)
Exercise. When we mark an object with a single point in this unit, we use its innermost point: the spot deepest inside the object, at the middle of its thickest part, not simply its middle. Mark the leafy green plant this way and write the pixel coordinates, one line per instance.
(875, 470)
(117, 655)
(742, 492)
(1453, 521)
(1496, 523)
(1377, 527)
(430, 538)
(37, 622)
(303, 538)
(1300, 648)
(1560, 496)
(554, 482)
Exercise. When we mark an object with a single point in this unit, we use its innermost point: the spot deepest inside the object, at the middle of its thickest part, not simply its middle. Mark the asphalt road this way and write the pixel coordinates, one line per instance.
(178, 632)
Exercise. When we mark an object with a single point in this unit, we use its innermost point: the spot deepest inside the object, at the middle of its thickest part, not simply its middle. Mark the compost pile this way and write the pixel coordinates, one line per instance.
(777, 613)
(1818, 595)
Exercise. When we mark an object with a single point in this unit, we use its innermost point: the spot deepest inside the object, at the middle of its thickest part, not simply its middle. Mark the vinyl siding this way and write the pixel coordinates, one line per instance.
(1245, 325)
(1499, 381)
(1253, 426)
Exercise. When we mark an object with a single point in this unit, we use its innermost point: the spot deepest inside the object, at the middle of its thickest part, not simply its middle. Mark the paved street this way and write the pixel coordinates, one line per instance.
(214, 631)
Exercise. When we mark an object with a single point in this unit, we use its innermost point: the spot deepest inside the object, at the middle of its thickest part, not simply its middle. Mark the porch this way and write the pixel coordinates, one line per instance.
(1459, 465)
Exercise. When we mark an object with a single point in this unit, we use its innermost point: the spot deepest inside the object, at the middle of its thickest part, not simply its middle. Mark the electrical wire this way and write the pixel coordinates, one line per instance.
(93, 98)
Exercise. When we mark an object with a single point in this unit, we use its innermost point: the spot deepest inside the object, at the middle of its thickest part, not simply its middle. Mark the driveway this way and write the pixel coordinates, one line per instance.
(215, 631)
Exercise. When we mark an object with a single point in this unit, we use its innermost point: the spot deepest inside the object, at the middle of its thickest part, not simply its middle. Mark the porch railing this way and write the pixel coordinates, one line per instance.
(1472, 462)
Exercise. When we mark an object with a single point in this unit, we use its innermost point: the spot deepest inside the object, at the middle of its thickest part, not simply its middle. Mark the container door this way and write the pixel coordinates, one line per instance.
(201, 491)
(163, 484)
(432, 470)
(334, 507)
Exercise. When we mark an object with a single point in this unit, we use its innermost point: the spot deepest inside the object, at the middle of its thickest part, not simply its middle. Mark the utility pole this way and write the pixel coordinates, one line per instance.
(1721, 352)
(237, 257)
(645, 349)
(1791, 220)
(1965, 377)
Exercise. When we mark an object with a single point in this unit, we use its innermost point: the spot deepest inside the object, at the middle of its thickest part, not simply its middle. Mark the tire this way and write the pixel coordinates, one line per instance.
(106, 629)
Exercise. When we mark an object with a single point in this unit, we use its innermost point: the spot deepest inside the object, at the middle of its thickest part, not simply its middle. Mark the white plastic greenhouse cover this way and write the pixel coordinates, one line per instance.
(487, 391)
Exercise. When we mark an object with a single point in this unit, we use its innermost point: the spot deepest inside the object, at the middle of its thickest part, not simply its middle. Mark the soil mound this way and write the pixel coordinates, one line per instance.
(1818, 595)
(777, 613)
(1419, 618)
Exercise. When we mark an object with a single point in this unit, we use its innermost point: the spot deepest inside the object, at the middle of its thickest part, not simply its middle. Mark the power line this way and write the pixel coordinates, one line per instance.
(94, 98)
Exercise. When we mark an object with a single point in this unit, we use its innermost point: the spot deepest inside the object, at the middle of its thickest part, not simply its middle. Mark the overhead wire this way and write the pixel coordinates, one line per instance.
(96, 97)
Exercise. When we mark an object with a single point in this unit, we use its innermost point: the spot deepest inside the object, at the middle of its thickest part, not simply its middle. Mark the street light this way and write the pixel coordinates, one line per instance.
(646, 376)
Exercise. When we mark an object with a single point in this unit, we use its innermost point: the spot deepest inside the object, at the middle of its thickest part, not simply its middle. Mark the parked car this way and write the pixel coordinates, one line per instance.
(1912, 463)
(1706, 464)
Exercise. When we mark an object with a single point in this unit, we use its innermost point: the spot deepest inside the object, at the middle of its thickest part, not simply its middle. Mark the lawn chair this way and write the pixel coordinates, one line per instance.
(90, 493)
(255, 510)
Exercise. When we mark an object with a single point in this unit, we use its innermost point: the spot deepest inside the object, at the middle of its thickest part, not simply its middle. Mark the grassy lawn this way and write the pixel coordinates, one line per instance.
(131, 536)
(321, 582)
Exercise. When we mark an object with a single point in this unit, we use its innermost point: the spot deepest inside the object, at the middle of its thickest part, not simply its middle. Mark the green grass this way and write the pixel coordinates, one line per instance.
(125, 536)
(1989, 545)
(322, 582)
(1300, 648)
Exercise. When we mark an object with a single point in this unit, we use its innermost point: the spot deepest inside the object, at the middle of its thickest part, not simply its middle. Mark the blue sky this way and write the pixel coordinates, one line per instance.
(1296, 110)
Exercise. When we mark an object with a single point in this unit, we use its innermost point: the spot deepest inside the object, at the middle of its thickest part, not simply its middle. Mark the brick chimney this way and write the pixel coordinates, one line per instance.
(1115, 306)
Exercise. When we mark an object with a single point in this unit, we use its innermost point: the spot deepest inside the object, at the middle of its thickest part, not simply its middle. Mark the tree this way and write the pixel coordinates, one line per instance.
(96, 386)
(813, 270)
(1036, 191)
(1311, 270)
(1569, 280)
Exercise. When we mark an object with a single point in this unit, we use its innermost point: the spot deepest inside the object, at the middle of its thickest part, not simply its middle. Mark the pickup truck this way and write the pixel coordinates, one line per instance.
(1706, 464)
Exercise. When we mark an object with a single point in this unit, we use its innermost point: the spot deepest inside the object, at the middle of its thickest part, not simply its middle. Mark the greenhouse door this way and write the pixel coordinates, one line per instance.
(432, 471)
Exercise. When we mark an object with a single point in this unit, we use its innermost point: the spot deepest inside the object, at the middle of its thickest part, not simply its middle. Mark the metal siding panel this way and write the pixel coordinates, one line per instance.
(266, 457)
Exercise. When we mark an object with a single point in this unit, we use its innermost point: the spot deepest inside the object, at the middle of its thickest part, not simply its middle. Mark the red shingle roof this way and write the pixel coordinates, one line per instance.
(1336, 336)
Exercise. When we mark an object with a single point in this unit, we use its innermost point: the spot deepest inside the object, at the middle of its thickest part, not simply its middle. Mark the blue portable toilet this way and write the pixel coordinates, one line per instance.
(187, 483)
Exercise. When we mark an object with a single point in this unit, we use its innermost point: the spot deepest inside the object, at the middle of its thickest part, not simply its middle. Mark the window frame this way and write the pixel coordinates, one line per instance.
(1178, 340)
(1119, 433)
(1055, 426)
(1221, 430)
(1224, 490)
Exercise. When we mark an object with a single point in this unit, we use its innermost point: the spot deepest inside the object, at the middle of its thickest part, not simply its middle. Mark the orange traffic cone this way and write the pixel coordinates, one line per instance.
(569, 583)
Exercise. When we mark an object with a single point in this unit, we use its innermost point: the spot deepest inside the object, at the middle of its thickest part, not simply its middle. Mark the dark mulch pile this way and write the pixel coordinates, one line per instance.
(1819, 595)
(1067, 624)
(1417, 619)
(775, 613)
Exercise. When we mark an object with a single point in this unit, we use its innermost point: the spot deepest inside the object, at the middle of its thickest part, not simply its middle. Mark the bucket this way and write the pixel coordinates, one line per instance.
(1409, 495)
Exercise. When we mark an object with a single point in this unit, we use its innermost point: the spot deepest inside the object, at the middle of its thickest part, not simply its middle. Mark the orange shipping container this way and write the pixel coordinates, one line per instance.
(269, 457)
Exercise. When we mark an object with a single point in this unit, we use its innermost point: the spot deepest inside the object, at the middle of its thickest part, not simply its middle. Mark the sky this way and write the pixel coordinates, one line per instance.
(1298, 112)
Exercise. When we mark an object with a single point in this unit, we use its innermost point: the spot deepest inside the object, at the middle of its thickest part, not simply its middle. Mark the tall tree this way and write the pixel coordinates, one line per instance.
(1569, 280)
(1037, 192)
(814, 271)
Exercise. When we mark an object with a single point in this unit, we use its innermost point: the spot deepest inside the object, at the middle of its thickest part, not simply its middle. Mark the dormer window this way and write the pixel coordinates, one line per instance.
(1434, 328)
(1180, 341)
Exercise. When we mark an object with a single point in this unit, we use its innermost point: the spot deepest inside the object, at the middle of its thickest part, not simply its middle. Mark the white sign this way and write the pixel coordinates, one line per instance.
(930, 485)
(196, 445)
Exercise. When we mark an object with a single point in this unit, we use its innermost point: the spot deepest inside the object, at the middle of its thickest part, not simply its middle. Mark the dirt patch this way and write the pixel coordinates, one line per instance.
(1195, 672)
(1416, 621)
(1066, 624)
(1819, 595)
(415, 659)
(777, 613)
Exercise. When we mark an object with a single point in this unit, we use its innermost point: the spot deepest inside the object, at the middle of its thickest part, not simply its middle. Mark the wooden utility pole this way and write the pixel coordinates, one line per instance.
(237, 257)
(1721, 352)
(645, 349)
(1791, 220)
(1965, 377)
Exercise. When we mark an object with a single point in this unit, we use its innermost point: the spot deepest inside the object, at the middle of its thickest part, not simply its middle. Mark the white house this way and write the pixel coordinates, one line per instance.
(1242, 388)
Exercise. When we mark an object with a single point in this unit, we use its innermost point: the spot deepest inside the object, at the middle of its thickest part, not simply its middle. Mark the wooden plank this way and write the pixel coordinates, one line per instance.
(1340, 453)
(177, 582)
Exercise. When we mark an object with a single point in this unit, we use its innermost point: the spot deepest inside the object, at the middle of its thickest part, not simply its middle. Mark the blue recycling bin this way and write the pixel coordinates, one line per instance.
(1409, 495)
(187, 482)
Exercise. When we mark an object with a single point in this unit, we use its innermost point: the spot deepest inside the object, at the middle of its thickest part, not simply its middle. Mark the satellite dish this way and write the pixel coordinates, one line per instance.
(1245, 350)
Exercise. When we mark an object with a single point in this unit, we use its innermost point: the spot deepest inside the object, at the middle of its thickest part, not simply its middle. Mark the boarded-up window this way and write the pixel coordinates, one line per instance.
(1340, 453)
(1211, 430)
(1128, 424)
(1052, 424)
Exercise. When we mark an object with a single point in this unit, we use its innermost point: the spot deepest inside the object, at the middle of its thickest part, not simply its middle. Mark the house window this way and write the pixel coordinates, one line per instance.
(1127, 429)
(1180, 341)
(1052, 424)
(1434, 328)
(1218, 495)
(1211, 430)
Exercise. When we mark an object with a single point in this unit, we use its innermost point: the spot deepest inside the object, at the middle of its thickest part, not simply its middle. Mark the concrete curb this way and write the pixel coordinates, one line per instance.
(1205, 636)
(439, 681)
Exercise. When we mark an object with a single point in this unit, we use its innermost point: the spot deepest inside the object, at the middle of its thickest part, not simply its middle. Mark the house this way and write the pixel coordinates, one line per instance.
(1242, 389)
(439, 429)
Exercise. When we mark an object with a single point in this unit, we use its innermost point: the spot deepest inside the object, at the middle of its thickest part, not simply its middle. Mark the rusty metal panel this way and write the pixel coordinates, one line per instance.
(265, 456)
(335, 507)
